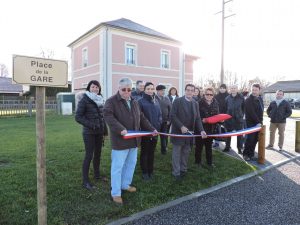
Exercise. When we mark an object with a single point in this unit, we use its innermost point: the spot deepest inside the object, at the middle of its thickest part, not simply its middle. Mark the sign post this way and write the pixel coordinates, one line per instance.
(41, 156)
(40, 72)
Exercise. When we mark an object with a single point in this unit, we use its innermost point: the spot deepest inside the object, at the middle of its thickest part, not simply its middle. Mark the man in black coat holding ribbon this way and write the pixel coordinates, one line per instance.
(254, 109)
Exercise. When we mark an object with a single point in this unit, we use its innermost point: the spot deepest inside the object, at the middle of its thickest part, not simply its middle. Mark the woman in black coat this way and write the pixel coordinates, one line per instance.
(89, 114)
(208, 106)
(150, 107)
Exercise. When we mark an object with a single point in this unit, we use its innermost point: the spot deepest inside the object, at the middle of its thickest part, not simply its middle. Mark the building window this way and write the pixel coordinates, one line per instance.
(130, 54)
(84, 57)
(165, 59)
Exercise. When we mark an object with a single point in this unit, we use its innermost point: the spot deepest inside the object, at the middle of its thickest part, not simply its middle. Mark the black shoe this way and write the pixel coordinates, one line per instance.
(102, 178)
(199, 165)
(246, 158)
(240, 151)
(178, 177)
(211, 166)
(145, 176)
(226, 149)
(89, 186)
(182, 173)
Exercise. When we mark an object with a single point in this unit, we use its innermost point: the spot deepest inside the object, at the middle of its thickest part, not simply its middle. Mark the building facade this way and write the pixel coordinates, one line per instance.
(123, 48)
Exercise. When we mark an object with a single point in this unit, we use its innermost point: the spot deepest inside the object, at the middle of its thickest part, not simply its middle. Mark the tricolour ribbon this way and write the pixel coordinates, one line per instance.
(136, 134)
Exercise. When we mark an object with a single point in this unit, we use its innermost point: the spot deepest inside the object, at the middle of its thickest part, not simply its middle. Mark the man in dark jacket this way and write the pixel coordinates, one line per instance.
(139, 90)
(278, 111)
(185, 119)
(254, 110)
(235, 108)
(220, 97)
(165, 106)
(123, 113)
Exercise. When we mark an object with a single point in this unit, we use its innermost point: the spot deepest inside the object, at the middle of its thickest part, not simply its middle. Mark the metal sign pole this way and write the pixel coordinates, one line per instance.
(41, 156)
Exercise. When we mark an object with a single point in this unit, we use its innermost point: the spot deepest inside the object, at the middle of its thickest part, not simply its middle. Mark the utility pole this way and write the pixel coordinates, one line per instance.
(222, 41)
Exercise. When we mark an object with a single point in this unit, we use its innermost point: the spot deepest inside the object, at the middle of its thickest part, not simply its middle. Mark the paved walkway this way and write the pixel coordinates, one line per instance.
(272, 198)
(272, 156)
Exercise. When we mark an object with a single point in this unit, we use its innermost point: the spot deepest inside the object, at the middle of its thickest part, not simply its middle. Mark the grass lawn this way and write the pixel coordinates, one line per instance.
(68, 202)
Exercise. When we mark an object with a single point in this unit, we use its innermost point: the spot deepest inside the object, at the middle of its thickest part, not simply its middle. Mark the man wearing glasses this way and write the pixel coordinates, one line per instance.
(185, 119)
(122, 113)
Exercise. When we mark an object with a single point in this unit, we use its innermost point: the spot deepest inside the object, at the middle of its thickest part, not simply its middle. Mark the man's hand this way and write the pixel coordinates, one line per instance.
(184, 130)
(203, 133)
(155, 133)
(123, 132)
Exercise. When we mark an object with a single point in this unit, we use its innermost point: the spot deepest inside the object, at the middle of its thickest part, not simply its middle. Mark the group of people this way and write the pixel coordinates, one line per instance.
(148, 108)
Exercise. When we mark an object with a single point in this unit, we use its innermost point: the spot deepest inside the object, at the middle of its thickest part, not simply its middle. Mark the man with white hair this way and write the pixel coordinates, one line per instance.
(234, 104)
(122, 113)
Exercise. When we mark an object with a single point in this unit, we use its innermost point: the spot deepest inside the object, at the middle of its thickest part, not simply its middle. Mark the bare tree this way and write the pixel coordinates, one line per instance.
(263, 83)
(3, 70)
(47, 53)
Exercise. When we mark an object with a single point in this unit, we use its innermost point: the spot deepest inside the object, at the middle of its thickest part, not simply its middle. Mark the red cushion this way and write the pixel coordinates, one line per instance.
(217, 118)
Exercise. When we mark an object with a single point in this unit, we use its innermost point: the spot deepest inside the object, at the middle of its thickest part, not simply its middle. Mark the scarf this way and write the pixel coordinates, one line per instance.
(278, 101)
(96, 98)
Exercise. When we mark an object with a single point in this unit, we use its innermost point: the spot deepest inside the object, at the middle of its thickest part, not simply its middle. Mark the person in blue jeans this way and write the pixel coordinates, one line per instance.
(122, 113)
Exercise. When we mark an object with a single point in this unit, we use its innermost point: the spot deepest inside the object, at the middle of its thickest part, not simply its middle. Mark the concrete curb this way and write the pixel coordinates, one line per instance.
(200, 193)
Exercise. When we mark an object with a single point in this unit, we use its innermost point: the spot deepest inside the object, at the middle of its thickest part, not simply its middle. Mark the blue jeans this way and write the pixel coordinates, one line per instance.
(122, 169)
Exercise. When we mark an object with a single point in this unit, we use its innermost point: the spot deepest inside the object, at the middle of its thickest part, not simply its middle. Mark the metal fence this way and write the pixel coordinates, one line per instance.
(23, 107)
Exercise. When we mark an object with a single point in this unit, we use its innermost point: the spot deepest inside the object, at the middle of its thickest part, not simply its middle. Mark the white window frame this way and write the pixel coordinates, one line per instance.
(132, 62)
(163, 64)
(85, 57)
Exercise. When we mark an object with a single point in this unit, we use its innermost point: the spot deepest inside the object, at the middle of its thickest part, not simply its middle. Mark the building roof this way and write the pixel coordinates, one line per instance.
(6, 86)
(128, 25)
(286, 86)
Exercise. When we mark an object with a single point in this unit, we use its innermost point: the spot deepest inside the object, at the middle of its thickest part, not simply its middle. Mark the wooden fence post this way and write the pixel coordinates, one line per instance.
(261, 145)
(297, 137)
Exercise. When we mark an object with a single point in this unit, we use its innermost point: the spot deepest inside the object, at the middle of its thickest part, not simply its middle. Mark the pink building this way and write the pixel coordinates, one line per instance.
(123, 48)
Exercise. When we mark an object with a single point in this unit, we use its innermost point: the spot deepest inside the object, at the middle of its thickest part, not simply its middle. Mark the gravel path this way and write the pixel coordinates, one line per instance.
(273, 198)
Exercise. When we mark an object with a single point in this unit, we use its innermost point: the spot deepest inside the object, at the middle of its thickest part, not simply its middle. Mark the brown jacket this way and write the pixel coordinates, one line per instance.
(119, 117)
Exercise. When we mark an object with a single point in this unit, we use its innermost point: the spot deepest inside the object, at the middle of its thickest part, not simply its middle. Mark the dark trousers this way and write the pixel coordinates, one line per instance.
(200, 142)
(250, 144)
(239, 142)
(147, 154)
(164, 139)
(93, 147)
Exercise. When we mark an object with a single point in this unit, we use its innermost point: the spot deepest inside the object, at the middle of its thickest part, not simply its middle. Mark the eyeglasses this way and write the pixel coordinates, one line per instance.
(189, 90)
(209, 94)
(126, 89)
